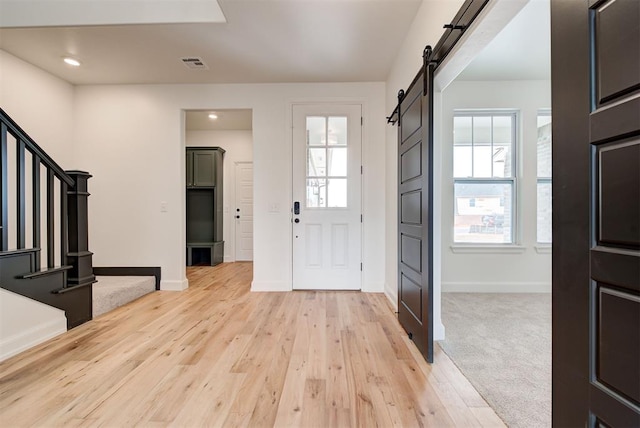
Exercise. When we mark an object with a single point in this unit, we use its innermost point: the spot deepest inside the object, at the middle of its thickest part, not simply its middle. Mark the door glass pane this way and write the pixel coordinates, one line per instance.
(327, 166)
(316, 193)
(337, 162)
(337, 131)
(337, 193)
(316, 131)
(316, 162)
(483, 213)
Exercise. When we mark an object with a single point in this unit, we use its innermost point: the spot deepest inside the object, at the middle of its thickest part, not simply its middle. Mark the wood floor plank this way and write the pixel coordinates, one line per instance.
(217, 354)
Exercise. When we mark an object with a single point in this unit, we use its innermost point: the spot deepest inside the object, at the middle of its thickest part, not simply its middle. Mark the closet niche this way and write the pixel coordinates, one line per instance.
(205, 246)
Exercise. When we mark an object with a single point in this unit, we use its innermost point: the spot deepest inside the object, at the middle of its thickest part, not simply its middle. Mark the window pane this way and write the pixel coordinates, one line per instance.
(337, 131)
(501, 159)
(317, 162)
(337, 161)
(316, 193)
(482, 161)
(316, 131)
(544, 212)
(461, 130)
(544, 149)
(502, 129)
(482, 130)
(483, 213)
(337, 193)
(462, 161)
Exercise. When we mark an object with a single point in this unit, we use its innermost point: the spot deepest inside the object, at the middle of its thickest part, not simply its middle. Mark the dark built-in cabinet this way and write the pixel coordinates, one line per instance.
(204, 206)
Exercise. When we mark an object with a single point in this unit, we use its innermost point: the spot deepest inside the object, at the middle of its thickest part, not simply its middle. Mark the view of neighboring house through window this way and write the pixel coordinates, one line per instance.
(484, 176)
(544, 177)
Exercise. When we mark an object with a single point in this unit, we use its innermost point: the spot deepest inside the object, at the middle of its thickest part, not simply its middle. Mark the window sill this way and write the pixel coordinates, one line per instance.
(543, 248)
(487, 249)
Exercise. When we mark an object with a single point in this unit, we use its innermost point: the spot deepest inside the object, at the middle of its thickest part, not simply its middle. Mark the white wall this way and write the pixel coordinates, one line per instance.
(426, 29)
(41, 104)
(238, 146)
(25, 323)
(527, 269)
(131, 138)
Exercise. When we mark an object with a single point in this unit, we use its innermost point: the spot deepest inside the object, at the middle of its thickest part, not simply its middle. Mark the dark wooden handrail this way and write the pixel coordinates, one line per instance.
(20, 135)
(70, 237)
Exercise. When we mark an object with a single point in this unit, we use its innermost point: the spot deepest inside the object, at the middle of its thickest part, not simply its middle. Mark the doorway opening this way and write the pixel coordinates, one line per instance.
(229, 218)
(495, 151)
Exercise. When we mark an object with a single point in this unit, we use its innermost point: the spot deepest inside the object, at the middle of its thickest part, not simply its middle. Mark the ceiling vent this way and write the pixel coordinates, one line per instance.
(194, 63)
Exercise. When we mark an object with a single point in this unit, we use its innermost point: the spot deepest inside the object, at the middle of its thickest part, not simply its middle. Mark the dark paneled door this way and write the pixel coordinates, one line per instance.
(415, 243)
(596, 250)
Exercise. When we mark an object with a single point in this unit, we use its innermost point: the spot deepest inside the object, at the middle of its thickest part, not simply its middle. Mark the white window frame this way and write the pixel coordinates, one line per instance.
(512, 246)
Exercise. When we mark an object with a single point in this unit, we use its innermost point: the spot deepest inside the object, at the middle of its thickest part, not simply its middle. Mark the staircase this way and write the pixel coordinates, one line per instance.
(111, 292)
(44, 251)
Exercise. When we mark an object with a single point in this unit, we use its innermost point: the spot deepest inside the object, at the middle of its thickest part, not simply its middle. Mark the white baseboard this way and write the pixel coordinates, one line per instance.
(373, 287)
(438, 330)
(270, 286)
(17, 343)
(496, 287)
(174, 285)
(392, 295)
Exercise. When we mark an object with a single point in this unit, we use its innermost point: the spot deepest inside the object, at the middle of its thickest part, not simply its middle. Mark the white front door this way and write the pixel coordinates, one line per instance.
(244, 211)
(327, 216)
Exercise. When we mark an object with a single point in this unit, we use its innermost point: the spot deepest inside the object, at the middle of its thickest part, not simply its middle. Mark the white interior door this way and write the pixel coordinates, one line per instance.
(244, 211)
(327, 216)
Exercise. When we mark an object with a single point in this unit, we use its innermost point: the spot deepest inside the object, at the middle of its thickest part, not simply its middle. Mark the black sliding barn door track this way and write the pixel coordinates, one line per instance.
(468, 12)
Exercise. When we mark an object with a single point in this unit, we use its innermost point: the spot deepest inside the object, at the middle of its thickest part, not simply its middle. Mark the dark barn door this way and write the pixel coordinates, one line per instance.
(414, 115)
(596, 212)
(415, 213)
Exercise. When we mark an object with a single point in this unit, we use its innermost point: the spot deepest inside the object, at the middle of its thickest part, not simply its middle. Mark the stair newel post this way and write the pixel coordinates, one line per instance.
(79, 255)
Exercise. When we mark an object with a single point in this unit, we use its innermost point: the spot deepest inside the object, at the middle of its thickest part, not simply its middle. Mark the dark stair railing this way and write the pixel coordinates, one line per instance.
(65, 238)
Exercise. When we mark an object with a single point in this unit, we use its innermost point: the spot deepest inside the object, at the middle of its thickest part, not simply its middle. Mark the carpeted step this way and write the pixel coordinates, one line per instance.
(111, 292)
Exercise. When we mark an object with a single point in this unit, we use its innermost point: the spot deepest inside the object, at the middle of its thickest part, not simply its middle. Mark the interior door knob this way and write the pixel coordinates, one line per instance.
(297, 220)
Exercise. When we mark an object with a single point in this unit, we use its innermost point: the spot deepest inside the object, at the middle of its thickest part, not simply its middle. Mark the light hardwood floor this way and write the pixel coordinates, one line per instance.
(219, 355)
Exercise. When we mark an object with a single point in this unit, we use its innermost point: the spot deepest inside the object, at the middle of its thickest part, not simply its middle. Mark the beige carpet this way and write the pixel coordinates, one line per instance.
(502, 344)
(111, 292)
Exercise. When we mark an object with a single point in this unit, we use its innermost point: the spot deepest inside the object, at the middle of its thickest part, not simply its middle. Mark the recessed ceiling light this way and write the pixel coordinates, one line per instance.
(71, 61)
(213, 116)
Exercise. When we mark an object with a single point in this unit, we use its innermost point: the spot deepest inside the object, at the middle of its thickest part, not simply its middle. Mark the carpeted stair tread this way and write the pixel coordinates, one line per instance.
(111, 292)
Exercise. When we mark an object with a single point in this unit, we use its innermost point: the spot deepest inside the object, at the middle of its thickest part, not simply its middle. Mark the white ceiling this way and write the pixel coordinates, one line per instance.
(263, 41)
(58, 13)
(521, 51)
(235, 119)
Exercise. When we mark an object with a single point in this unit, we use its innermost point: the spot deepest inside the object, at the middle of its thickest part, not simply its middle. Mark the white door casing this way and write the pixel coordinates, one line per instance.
(243, 211)
(327, 186)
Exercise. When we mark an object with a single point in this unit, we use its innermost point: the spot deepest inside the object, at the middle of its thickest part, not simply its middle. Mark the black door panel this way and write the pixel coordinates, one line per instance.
(596, 212)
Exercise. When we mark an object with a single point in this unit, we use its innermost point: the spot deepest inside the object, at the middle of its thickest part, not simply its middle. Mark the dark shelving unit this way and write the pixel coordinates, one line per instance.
(205, 245)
